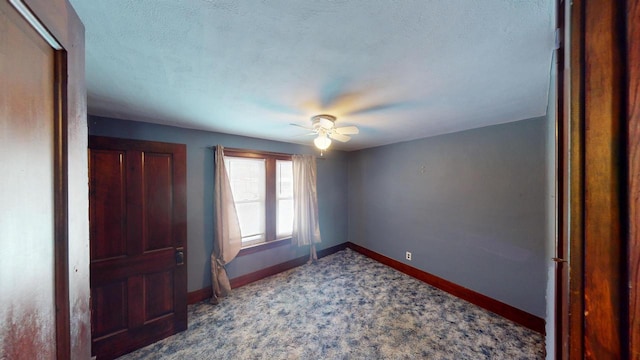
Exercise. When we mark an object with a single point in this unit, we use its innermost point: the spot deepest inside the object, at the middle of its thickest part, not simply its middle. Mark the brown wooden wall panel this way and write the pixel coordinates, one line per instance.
(108, 212)
(158, 200)
(159, 294)
(110, 311)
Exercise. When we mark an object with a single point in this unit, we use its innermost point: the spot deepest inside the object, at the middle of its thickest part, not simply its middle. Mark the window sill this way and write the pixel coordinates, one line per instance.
(264, 246)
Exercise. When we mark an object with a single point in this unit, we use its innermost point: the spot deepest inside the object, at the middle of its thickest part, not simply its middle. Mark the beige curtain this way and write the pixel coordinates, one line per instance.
(306, 228)
(227, 238)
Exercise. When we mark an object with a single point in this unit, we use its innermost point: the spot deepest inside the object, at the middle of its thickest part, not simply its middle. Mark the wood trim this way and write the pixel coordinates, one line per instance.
(270, 186)
(97, 142)
(205, 293)
(59, 18)
(273, 270)
(270, 199)
(264, 246)
(180, 217)
(561, 303)
(574, 181)
(604, 143)
(248, 153)
(507, 311)
(196, 296)
(633, 141)
(266, 272)
(73, 314)
(603, 190)
(561, 286)
(61, 201)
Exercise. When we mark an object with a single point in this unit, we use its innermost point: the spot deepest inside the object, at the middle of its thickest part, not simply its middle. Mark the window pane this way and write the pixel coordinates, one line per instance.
(284, 193)
(284, 179)
(285, 218)
(247, 179)
(251, 217)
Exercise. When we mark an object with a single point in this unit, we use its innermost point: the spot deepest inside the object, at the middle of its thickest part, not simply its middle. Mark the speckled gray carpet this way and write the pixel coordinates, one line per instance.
(346, 306)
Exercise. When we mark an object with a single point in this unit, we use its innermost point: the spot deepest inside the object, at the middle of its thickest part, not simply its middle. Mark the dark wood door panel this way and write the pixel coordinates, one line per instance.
(159, 288)
(104, 271)
(137, 194)
(110, 308)
(107, 213)
(158, 200)
(127, 341)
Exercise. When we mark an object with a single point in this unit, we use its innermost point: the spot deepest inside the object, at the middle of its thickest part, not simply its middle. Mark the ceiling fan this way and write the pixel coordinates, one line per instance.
(324, 127)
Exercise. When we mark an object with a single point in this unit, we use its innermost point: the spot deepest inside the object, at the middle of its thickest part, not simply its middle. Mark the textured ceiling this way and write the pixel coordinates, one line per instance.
(399, 70)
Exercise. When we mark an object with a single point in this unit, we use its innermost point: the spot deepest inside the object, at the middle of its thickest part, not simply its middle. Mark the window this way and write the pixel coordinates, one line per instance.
(284, 197)
(247, 178)
(262, 186)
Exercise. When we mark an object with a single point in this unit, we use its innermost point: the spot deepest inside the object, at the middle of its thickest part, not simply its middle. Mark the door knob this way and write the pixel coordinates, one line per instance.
(179, 256)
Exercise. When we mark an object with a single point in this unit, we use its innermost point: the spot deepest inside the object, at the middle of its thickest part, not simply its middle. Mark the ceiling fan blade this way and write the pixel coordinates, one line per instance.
(347, 130)
(304, 127)
(342, 138)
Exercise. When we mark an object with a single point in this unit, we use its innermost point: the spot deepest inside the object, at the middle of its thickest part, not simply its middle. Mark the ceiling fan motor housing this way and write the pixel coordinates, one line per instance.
(323, 122)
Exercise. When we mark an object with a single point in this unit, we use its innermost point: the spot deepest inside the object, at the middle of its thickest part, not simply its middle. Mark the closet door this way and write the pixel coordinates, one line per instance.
(138, 243)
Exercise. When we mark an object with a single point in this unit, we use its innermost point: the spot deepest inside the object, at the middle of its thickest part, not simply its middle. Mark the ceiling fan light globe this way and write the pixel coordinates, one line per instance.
(322, 142)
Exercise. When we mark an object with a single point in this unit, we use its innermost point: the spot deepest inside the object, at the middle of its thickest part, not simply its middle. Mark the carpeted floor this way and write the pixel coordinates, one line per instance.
(346, 306)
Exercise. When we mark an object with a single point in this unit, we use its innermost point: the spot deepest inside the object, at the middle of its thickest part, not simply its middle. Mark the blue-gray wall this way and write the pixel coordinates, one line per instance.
(470, 206)
(332, 197)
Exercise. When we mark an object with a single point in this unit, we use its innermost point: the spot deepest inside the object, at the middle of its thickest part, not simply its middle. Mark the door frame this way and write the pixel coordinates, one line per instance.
(602, 202)
(633, 178)
(59, 20)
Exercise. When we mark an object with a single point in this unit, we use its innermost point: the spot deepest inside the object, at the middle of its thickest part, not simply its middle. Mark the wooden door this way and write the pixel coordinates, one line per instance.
(138, 243)
(41, 94)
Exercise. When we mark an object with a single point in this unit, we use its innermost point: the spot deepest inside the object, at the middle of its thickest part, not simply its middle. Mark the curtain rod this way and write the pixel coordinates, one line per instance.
(259, 152)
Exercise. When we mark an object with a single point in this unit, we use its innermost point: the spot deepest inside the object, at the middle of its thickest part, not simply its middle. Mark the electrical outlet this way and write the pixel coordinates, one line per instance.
(408, 256)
